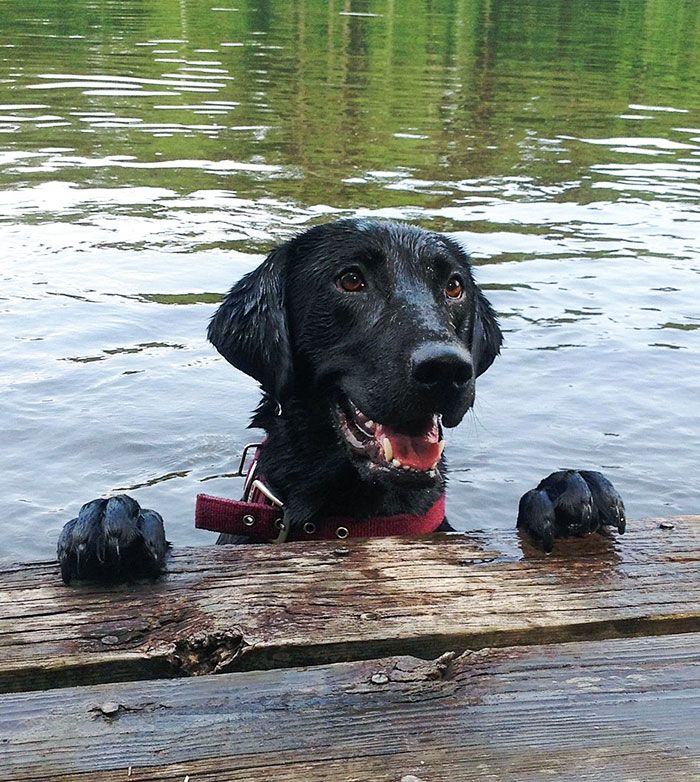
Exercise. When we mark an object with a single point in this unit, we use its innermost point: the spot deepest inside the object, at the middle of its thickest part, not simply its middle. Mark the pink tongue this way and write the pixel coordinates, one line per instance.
(420, 452)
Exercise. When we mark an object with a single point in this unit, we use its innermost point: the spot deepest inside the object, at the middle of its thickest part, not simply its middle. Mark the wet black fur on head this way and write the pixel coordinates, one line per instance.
(309, 343)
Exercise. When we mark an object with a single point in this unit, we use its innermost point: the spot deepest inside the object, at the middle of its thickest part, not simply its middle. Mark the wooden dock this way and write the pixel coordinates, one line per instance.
(437, 659)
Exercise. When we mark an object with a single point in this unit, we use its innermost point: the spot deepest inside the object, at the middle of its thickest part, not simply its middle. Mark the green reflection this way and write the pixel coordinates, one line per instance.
(435, 92)
(183, 298)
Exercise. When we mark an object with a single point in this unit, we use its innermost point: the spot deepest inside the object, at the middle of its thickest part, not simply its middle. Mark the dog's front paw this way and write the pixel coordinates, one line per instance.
(570, 503)
(112, 540)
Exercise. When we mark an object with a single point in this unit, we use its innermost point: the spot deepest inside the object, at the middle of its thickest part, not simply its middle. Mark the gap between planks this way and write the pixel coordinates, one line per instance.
(231, 608)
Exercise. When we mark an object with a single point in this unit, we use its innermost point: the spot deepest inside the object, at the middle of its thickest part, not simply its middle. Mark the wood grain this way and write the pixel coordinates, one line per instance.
(625, 709)
(228, 608)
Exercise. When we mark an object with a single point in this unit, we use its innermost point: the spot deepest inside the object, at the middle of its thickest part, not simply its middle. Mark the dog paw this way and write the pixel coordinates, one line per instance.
(112, 540)
(570, 503)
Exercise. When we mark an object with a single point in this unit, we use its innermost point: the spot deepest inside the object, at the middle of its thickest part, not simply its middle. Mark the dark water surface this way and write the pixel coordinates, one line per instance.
(152, 150)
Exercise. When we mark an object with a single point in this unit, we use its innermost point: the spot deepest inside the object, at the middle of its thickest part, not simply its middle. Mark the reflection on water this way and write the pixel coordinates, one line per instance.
(150, 151)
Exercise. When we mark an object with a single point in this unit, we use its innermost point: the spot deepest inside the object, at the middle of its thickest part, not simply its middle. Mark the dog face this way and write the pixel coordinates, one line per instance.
(380, 326)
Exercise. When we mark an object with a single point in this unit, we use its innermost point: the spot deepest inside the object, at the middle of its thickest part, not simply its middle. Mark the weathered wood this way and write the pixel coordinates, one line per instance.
(232, 608)
(626, 709)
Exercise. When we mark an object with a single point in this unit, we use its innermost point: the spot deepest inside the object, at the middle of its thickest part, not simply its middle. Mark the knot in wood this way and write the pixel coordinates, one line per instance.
(204, 653)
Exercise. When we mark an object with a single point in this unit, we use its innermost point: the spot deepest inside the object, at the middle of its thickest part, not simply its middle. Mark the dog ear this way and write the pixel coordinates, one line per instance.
(487, 336)
(250, 327)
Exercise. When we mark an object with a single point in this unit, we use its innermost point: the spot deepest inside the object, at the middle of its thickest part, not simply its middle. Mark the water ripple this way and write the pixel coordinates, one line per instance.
(150, 158)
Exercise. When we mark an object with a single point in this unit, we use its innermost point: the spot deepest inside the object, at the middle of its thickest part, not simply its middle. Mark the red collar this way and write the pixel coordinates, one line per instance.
(259, 517)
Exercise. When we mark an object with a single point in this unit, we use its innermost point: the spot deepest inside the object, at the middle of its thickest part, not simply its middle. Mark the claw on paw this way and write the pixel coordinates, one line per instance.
(607, 501)
(536, 516)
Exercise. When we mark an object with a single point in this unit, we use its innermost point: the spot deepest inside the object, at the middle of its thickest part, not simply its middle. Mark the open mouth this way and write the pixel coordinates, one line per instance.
(387, 449)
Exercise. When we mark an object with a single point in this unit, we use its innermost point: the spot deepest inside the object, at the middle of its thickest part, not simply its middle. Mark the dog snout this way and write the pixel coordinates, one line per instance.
(440, 367)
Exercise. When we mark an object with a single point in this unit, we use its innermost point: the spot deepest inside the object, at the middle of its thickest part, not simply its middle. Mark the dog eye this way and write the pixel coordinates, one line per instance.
(454, 288)
(351, 281)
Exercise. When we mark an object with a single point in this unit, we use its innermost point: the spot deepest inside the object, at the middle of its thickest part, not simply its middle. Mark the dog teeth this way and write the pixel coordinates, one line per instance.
(396, 463)
(441, 447)
(388, 450)
(405, 467)
(432, 473)
(370, 425)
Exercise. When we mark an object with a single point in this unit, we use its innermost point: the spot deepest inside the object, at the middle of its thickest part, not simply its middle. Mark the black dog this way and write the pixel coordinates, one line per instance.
(366, 339)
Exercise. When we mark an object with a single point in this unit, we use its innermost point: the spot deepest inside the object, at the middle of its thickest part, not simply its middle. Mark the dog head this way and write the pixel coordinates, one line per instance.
(380, 324)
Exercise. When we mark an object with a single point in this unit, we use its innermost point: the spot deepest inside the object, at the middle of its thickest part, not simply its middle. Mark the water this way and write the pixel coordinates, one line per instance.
(151, 151)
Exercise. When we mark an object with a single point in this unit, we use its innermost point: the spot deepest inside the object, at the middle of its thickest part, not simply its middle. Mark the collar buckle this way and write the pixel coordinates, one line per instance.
(282, 524)
(248, 473)
(253, 486)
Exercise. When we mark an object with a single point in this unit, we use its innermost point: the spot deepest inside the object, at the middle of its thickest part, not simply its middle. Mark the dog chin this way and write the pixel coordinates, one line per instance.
(381, 452)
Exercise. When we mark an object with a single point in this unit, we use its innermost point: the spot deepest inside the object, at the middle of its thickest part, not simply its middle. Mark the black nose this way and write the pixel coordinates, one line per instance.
(437, 365)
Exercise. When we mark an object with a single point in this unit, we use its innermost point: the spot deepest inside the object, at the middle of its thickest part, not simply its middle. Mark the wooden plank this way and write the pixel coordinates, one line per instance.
(626, 709)
(232, 608)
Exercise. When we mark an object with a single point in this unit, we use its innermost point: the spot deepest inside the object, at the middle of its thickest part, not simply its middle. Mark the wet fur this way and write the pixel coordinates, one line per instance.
(286, 325)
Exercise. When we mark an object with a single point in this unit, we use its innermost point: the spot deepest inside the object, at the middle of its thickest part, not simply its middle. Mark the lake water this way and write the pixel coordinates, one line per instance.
(151, 151)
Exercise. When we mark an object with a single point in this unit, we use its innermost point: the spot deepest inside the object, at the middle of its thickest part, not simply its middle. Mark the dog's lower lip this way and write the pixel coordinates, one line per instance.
(387, 449)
